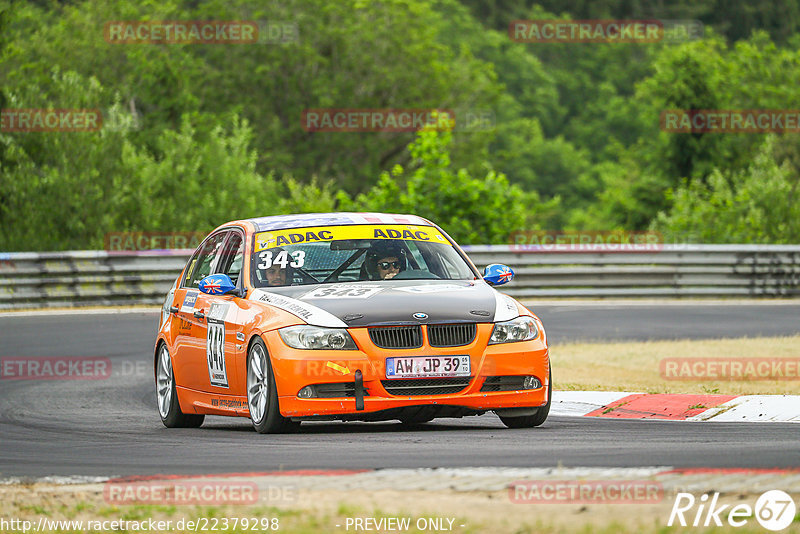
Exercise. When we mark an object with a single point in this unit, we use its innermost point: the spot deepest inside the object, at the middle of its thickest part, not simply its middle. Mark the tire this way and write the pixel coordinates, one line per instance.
(262, 395)
(167, 397)
(530, 421)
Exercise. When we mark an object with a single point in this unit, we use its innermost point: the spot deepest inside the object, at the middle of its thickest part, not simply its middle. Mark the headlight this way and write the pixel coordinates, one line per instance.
(314, 337)
(519, 329)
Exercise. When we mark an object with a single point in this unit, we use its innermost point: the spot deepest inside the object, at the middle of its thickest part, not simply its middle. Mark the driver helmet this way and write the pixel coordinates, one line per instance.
(383, 250)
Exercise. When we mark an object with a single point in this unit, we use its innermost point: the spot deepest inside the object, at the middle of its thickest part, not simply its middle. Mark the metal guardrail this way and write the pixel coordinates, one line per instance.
(85, 278)
(672, 271)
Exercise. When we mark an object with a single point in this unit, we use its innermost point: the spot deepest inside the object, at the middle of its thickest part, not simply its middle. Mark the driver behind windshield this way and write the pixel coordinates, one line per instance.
(276, 275)
(275, 268)
(385, 261)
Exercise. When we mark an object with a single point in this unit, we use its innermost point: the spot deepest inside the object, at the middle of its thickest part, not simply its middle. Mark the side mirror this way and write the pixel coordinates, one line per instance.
(218, 284)
(497, 274)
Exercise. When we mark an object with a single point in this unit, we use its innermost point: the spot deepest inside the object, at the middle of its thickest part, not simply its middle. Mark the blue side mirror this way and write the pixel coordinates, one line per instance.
(217, 284)
(498, 274)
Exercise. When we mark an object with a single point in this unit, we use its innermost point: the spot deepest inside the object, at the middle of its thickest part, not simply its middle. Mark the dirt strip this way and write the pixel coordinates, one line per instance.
(430, 500)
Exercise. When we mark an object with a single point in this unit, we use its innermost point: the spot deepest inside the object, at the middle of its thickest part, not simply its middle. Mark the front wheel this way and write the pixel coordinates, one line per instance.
(262, 395)
(167, 397)
(530, 421)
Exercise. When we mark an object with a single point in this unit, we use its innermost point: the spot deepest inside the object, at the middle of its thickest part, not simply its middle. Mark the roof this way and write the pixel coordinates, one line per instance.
(285, 222)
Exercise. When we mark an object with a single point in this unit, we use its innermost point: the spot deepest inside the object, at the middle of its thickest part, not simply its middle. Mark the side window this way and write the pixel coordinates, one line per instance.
(200, 264)
(232, 256)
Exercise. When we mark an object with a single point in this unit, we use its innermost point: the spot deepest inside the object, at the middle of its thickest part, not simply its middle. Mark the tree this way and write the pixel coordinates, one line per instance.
(758, 205)
(346, 55)
(471, 209)
(56, 185)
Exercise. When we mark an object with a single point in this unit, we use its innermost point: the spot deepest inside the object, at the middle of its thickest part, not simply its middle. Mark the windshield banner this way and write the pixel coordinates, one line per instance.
(296, 236)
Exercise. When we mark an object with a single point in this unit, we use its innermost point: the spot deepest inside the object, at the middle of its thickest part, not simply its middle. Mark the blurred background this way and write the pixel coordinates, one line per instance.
(195, 135)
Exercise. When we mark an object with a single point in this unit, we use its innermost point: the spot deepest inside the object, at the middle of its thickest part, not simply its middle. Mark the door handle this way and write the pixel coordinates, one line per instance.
(199, 314)
(173, 309)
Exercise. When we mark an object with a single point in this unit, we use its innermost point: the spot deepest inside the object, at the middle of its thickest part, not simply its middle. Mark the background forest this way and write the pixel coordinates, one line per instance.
(196, 135)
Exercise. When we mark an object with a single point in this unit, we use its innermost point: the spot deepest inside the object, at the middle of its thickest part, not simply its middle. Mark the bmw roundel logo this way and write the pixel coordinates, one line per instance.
(420, 316)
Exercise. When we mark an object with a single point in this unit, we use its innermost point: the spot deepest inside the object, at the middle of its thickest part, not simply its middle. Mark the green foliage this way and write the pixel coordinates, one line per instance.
(54, 187)
(196, 135)
(735, 19)
(705, 74)
(758, 205)
(347, 55)
(194, 181)
(473, 210)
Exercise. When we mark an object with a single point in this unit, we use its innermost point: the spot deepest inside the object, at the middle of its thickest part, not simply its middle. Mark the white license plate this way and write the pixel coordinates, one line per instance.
(427, 366)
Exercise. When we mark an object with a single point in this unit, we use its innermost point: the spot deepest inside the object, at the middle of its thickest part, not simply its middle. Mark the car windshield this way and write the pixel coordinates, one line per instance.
(353, 253)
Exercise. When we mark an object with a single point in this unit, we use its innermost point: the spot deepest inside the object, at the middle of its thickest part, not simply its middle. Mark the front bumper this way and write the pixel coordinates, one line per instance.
(295, 369)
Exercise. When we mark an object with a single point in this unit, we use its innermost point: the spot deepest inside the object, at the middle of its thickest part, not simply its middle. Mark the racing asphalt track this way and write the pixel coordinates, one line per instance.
(111, 427)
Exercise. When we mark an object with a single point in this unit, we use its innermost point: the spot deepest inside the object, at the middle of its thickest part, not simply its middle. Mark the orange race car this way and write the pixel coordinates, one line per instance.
(349, 316)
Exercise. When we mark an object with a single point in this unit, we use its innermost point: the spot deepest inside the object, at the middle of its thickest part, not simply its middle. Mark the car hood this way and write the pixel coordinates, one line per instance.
(388, 302)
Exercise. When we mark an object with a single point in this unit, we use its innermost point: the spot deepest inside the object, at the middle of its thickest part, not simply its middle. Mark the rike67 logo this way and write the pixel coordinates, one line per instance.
(774, 510)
